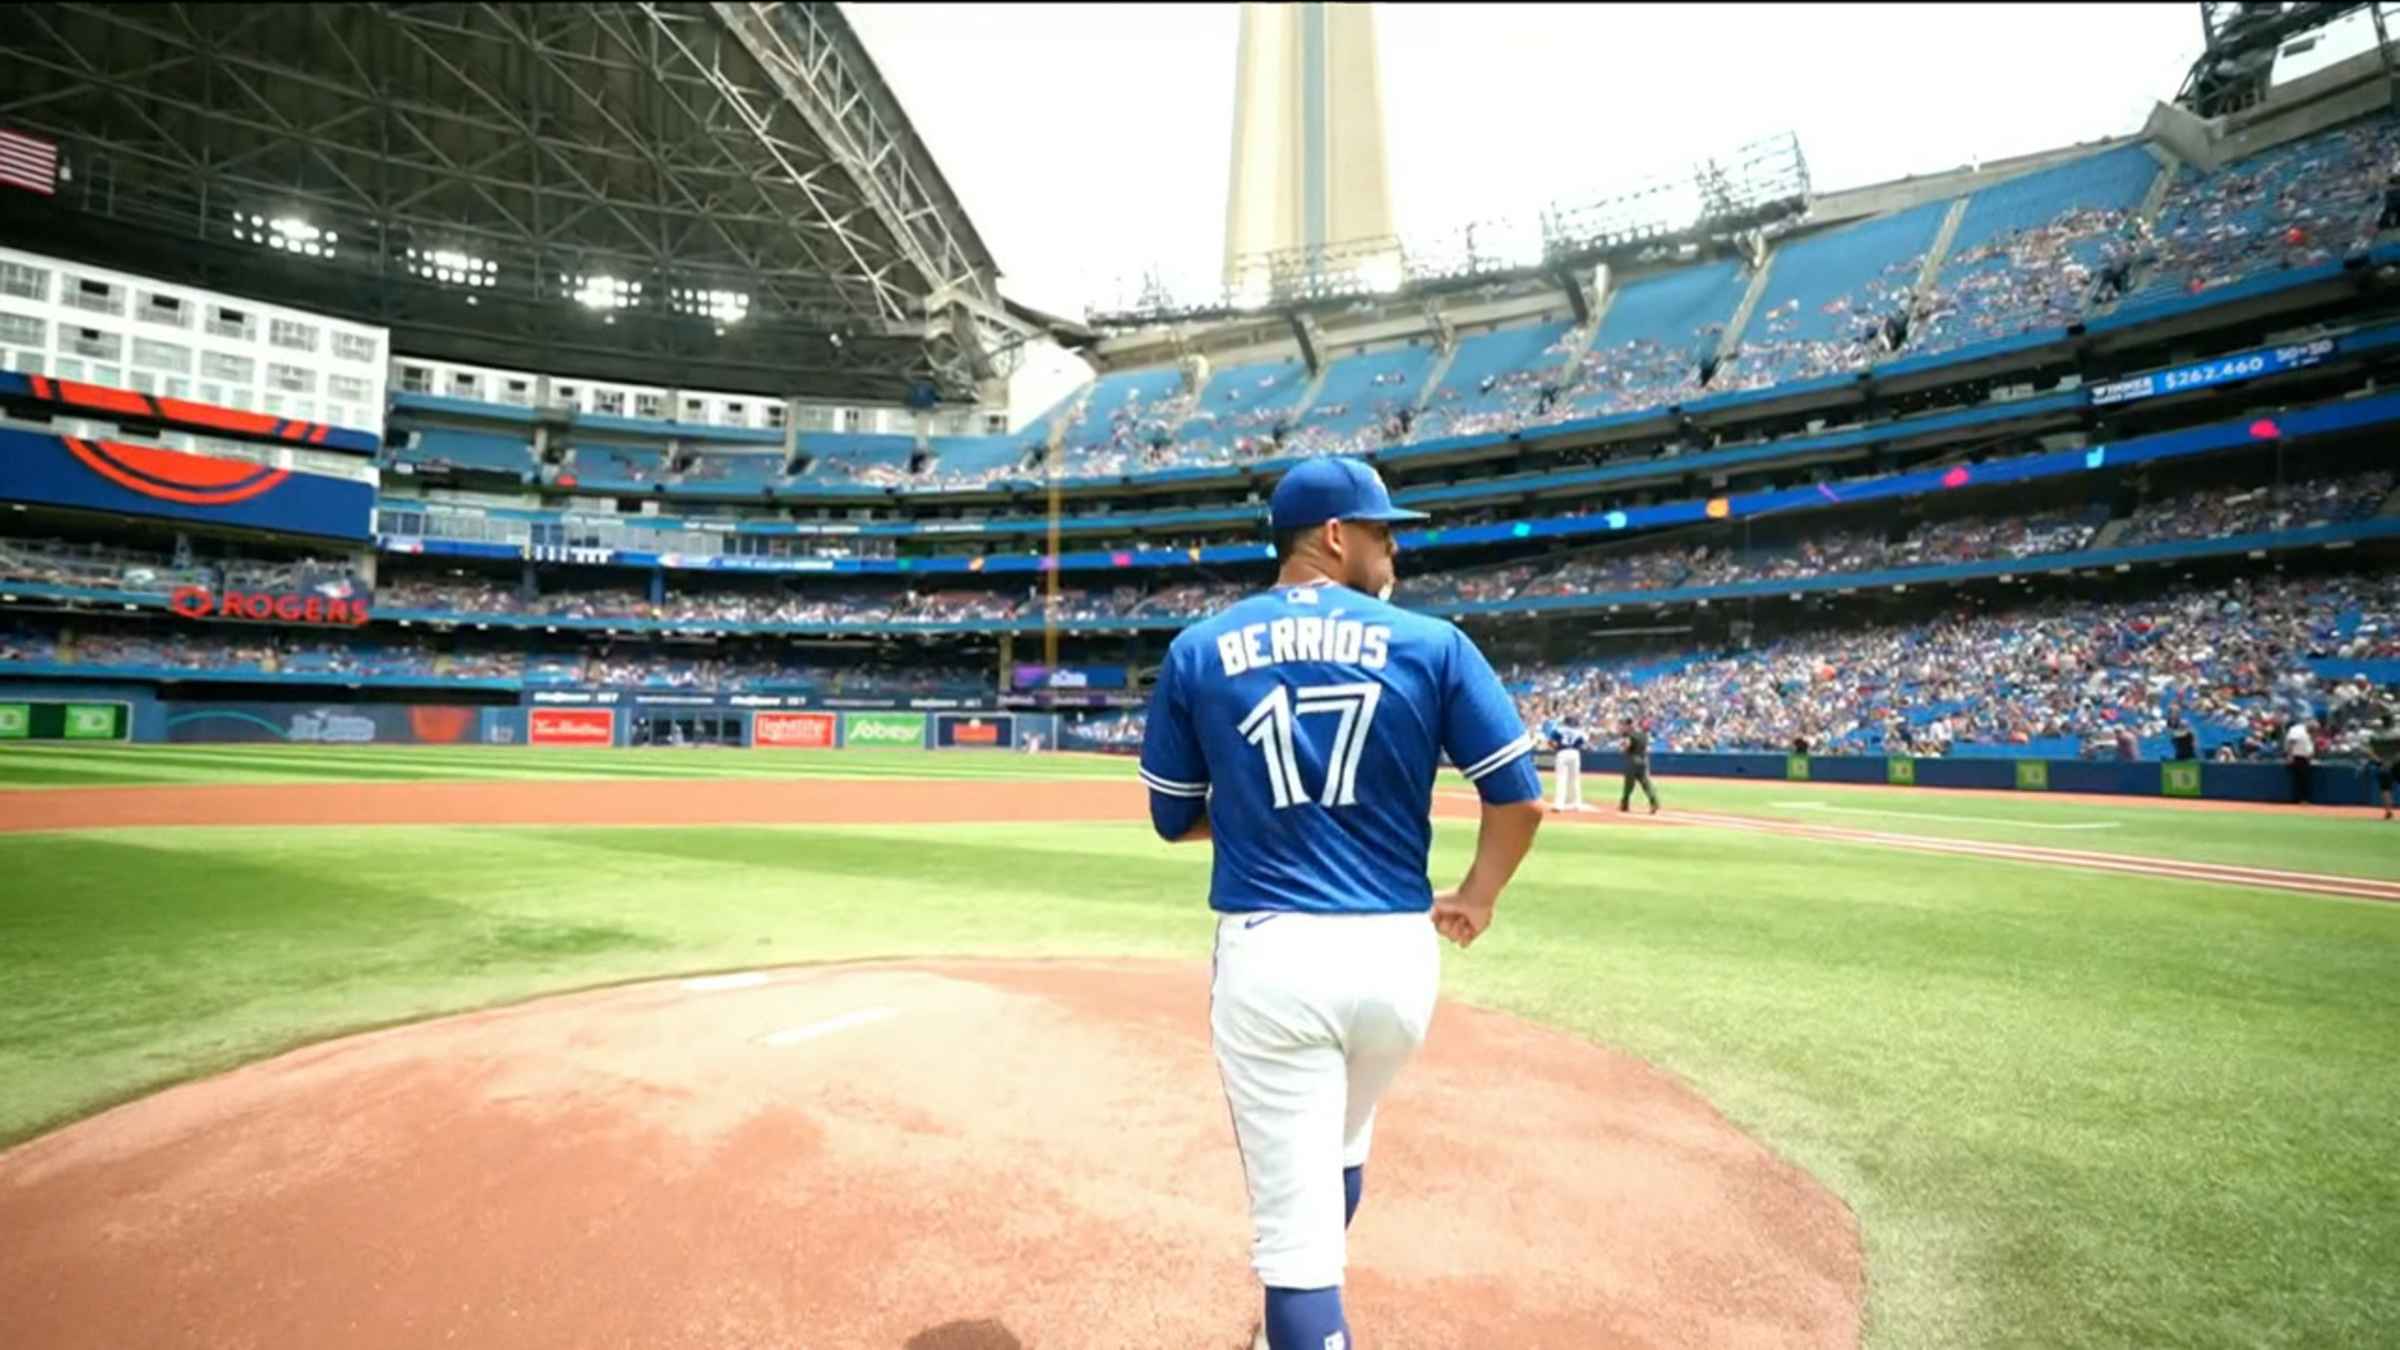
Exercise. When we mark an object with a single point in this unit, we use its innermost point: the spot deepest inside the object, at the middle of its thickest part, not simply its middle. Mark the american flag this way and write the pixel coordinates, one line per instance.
(27, 163)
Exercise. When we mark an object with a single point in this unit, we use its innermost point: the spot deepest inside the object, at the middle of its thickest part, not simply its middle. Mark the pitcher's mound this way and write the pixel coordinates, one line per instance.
(953, 1156)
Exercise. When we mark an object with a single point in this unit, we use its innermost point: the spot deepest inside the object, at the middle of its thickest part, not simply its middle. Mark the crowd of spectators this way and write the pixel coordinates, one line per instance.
(1968, 539)
(48, 562)
(1639, 373)
(462, 595)
(2231, 661)
(1783, 346)
(2329, 499)
(270, 652)
(100, 567)
(2025, 280)
(2296, 205)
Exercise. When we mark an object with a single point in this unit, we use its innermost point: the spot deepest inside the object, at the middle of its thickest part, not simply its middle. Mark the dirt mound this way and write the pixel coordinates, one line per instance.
(953, 1156)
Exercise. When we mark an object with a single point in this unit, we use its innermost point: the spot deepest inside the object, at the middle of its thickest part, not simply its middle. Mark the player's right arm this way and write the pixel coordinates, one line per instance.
(1483, 736)
(1173, 767)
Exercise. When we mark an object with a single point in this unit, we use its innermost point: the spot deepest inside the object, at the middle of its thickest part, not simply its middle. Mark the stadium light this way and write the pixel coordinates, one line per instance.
(723, 306)
(286, 234)
(453, 268)
(603, 291)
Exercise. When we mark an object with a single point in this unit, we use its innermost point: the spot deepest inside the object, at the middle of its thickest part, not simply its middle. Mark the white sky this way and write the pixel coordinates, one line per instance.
(1090, 142)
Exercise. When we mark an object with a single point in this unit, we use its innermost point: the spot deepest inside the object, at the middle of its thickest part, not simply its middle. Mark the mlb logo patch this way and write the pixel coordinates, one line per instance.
(1304, 595)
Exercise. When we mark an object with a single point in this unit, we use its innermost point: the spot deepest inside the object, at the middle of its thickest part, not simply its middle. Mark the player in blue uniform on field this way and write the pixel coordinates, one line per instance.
(1302, 730)
(1566, 736)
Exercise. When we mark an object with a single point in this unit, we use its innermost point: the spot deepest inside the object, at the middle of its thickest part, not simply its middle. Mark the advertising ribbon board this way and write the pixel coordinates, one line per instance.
(571, 726)
(863, 730)
(791, 730)
(956, 732)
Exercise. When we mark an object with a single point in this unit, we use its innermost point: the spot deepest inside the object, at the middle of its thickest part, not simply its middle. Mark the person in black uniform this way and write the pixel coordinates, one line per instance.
(2187, 746)
(2384, 744)
(1637, 767)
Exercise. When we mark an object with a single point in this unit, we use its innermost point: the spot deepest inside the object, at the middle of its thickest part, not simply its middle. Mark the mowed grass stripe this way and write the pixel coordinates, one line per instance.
(2252, 836)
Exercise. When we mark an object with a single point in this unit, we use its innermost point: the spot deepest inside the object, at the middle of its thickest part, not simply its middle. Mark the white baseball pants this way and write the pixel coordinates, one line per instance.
(1570, 780)
(1312, 1017)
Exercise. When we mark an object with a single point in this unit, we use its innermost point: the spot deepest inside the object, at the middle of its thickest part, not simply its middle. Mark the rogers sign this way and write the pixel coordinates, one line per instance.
(199, 602)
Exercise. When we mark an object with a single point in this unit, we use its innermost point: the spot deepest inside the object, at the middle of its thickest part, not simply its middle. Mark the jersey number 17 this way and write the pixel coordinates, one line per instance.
(1270, 724)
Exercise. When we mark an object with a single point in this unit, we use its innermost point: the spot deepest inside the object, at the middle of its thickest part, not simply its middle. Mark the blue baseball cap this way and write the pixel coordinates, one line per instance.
(1332, 487)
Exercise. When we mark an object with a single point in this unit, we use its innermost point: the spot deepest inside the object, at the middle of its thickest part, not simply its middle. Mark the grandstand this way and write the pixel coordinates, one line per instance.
(2145, 357)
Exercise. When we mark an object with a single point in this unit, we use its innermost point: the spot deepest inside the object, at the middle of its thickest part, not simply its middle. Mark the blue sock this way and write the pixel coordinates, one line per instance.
(1306, 1319)
(1354, 1180)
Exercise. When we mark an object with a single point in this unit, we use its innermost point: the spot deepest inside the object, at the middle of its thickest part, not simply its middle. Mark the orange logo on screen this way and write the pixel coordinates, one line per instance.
(173, 476)
(975, 733)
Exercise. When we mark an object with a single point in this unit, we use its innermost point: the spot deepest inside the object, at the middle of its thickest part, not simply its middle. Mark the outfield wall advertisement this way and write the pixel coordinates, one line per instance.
(571, 726)
(326, 723)
(884, 730)
(952, 731)
(792, 730)
(47, 721)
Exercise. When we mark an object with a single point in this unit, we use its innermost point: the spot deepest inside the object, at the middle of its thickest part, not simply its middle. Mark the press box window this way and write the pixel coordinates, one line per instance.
(234, 369)
(162, 355)
(24, 282)
(292, 335)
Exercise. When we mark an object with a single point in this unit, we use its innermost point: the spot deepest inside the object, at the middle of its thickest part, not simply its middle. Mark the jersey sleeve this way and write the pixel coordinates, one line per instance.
(1481, 732)
(1172, 766)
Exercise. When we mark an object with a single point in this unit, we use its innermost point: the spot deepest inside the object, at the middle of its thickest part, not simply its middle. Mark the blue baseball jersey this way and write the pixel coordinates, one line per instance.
(1311, 721)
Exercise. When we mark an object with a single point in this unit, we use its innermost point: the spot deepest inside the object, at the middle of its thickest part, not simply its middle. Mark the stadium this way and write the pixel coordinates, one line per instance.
(572, 664)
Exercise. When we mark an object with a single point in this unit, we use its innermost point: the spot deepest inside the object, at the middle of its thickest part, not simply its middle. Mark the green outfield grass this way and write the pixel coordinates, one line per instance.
(2068, 1108)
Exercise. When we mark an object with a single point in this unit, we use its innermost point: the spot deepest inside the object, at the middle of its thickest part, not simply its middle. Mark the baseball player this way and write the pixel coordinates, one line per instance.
(1637, 767)
(1301, 730)
(1568, 739)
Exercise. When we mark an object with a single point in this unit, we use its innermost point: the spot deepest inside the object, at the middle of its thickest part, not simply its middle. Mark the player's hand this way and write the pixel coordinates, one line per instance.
(1460, 919)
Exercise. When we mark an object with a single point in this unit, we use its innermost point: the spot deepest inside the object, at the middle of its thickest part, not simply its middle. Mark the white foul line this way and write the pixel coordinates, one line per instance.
(706, 984)
(1939, 816)
(810, 1031)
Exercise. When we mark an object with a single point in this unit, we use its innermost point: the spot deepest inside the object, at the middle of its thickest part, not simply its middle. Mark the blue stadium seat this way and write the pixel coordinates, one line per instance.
(1239, 408)
(2028, 250)
(2308, 201)
(838, 457)
(469, 449)
(1494, 380)
(1124, 411)
(637, 468)
(1359, 398)
(1825, 297)
(1653, 337)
